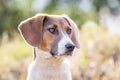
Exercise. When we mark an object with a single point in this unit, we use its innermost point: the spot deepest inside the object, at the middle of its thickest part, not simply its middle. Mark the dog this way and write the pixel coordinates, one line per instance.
(53, 38)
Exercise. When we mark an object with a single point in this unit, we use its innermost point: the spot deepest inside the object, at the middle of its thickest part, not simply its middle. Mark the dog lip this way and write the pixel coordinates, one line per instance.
(53, 54)
(66, 53)
(69, 53)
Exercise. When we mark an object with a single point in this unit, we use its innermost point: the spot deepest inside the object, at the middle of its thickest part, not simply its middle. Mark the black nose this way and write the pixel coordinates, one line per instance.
(69, 47)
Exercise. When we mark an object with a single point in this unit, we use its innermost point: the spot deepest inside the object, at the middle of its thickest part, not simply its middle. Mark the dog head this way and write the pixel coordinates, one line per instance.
(56, 34)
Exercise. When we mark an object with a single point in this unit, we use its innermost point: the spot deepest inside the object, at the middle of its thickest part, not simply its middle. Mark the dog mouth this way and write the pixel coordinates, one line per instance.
(65, 50)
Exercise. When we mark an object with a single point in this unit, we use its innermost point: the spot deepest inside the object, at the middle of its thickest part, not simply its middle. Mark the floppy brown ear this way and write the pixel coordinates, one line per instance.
(75, 33)
(31, 29)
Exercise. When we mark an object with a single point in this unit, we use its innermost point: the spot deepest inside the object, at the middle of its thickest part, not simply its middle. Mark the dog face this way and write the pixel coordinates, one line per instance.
(55, 34)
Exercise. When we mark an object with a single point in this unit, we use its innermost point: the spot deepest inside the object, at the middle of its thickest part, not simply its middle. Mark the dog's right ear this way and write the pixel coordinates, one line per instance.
(32, 29)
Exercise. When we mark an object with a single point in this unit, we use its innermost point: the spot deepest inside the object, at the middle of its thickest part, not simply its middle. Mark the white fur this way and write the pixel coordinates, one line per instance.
(47, 67)
(61, 45)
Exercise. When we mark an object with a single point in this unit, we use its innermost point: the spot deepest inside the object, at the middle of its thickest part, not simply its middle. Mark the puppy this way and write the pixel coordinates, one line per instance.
(53, 38)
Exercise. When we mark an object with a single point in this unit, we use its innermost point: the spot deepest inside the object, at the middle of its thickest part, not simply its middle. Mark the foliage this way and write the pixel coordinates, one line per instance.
(14, 11)
(11, 13)
(13, 57)
(113, 6)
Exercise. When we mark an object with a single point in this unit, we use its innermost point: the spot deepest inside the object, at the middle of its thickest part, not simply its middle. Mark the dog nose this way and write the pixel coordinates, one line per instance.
(69, 47)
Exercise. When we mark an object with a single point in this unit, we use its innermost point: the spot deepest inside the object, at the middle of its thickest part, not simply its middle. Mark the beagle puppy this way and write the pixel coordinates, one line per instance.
(53, 37)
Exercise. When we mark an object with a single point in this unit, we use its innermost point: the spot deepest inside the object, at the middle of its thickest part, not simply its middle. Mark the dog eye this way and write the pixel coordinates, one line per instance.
(53, 30)
(69, 31)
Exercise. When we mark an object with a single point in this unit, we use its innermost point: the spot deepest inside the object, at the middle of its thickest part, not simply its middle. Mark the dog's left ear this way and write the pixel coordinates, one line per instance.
(32, 28)
(75, 32)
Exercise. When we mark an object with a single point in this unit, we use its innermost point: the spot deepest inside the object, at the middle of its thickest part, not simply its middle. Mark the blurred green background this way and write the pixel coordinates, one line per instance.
(99, 26)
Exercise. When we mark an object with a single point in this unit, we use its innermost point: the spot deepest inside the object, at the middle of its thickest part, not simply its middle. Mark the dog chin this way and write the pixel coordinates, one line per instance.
(62, 54)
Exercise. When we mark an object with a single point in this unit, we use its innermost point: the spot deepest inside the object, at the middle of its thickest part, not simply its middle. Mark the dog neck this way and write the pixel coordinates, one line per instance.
(46, 57)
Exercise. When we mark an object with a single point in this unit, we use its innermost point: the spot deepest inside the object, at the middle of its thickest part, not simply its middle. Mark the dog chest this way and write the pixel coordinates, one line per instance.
(49, 71)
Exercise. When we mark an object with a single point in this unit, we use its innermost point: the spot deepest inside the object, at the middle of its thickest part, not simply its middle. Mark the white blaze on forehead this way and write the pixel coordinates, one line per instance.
(61, 44)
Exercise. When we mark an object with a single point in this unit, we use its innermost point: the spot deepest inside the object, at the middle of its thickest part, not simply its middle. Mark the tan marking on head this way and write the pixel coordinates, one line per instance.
(47, 41)
(48, 38)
